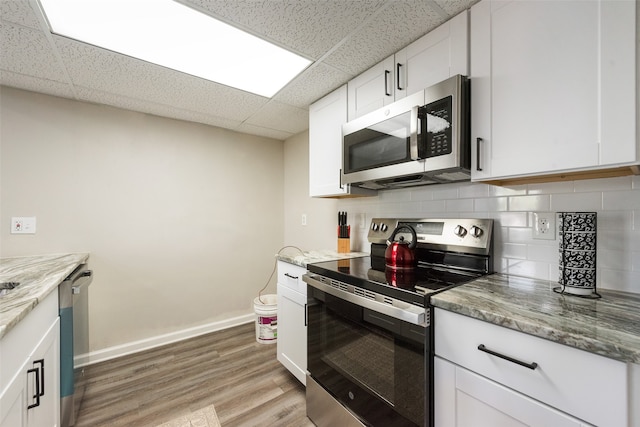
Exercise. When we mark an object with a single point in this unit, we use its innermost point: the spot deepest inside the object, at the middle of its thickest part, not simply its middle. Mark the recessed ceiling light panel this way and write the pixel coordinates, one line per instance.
(173, 35)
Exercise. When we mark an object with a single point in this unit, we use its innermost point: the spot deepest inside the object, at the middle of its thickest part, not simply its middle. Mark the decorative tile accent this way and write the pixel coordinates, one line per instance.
(577, 250)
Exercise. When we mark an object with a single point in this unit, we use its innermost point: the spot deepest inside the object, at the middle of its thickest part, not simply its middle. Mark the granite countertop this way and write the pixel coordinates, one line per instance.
(38, 276)
(296, 257)
(609, 326)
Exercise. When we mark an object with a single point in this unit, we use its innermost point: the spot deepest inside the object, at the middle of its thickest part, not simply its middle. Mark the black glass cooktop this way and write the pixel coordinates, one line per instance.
(410, 285)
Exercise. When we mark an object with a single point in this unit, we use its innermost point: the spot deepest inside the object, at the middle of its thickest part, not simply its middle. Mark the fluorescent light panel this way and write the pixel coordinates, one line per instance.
(173, 35)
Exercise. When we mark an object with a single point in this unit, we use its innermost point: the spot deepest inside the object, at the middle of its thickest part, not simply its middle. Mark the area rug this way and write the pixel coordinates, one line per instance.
(205, 417)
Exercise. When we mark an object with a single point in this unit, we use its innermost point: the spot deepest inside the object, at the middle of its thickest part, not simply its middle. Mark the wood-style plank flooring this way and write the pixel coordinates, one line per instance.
(228, 369)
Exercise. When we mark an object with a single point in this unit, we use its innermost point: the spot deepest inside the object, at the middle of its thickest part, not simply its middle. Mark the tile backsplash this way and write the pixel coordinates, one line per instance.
(616, 200)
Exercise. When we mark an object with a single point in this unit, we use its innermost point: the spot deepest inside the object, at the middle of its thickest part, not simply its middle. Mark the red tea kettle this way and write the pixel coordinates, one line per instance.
(401, 254)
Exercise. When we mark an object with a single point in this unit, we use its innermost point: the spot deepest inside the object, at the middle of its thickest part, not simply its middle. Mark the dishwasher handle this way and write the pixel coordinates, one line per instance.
(83, 278)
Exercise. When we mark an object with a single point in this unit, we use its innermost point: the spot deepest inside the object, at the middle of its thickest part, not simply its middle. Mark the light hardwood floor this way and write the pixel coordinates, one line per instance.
(228, 369)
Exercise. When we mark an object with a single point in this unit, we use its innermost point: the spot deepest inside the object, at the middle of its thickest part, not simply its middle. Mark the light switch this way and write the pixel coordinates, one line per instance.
(23, 225)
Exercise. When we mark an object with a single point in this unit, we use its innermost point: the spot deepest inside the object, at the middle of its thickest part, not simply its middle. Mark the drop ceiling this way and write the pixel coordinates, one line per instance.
(342, 37)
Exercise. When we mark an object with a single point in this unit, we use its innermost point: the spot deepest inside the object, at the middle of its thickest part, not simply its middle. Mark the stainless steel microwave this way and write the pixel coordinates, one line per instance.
(418, 140)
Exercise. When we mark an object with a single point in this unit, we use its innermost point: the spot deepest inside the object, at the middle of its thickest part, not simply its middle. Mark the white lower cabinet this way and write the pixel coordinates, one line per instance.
(488, 375)
(466, 399)
(292, 327)
(30, 380)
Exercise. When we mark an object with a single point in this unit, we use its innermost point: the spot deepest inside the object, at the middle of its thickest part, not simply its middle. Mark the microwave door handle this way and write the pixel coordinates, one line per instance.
(413, 137)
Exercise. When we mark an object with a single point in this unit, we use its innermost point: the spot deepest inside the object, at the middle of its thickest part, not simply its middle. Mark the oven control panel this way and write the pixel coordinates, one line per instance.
(381, 229)
(472, 235)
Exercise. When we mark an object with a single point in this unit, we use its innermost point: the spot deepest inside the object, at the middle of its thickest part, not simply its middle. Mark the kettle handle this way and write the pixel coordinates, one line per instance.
(414, 238)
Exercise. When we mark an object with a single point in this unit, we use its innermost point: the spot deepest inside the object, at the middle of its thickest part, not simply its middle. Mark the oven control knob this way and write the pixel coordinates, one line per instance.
(476, 231)
(383, 227)
(460, 231)
(374, 226)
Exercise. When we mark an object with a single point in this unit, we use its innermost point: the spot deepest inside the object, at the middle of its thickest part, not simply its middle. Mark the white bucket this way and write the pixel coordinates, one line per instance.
(266, 309)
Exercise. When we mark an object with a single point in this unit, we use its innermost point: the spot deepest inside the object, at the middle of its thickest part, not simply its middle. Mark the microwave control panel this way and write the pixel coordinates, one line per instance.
(435, 127)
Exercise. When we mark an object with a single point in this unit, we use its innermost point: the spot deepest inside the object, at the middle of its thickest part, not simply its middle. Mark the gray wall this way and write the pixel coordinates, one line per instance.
(162, 206)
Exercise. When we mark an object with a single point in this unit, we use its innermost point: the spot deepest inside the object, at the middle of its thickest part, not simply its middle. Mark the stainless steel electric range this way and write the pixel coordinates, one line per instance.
(370, 341)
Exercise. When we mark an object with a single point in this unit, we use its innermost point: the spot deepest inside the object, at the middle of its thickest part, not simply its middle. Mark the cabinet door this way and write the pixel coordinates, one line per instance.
(292, 331)
(46, 358)
(13, 402)
(465, 399)
(553, 86)
(435, 57)
(372, 89)
(326, 118)
(42, 368)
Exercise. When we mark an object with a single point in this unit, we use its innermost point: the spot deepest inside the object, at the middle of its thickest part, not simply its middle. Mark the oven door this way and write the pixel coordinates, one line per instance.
(383, 143)
(374, 364)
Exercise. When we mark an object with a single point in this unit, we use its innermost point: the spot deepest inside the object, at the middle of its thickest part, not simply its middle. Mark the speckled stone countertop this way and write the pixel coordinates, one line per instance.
(609, 326)
(294, 256)
(38, 277)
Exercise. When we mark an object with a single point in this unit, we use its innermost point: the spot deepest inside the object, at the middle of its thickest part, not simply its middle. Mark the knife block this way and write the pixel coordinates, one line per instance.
(344, 245)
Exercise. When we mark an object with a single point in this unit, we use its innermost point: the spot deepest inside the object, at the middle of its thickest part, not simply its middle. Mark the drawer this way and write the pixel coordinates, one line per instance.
(585, 385)
(290, 275)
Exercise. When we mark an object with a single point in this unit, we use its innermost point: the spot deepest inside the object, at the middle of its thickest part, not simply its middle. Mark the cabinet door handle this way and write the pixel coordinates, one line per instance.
(290, 276)
(306, 315)
(531, 366)
(478, 142)
(37, 394)
(340, 179)
(41, 363)
(398, 65)
(386, 81)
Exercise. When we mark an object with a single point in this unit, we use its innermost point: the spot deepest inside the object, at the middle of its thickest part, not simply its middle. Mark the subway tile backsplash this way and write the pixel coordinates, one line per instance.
(616, 200)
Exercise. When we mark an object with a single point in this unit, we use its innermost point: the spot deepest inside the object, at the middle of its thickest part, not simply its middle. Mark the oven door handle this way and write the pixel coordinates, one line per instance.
(397, 309)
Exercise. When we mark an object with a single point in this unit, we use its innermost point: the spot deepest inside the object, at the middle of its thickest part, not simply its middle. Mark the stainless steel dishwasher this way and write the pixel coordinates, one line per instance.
(73, 300)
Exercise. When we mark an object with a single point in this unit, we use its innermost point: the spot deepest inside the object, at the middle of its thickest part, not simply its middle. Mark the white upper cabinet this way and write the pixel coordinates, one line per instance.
(553, 87)
(372, 89)
(431, 59)
(442, 53)
(326, 117)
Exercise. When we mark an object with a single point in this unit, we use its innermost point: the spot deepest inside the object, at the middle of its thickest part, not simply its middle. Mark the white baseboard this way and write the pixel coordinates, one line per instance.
(160, 340)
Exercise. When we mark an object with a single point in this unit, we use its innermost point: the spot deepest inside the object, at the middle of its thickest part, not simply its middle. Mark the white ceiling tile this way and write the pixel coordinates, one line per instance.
(36, 84)
(275, 115)
(18, 12)
(398, 25)
(266, 132)
(309, 27)
(106, 71)
(311, 85)
(148, 107)
(453, 7)
(27, 51)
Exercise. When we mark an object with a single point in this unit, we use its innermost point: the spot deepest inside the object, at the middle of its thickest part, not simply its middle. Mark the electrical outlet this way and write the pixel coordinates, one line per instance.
(23, 225)
(544, 225)
(304, 219)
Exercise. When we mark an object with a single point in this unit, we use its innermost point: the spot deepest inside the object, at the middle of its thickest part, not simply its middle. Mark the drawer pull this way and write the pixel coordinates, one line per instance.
(290, 276)
(531, 366)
